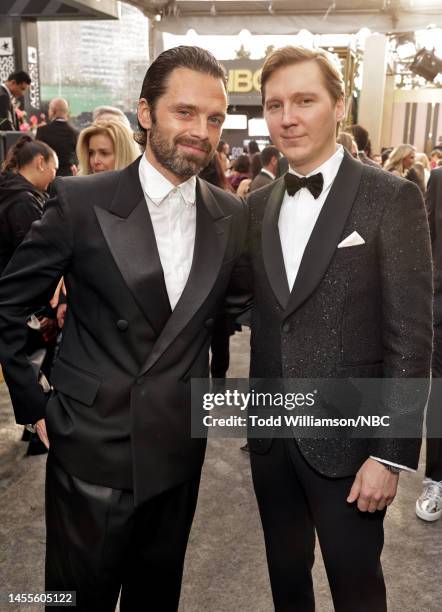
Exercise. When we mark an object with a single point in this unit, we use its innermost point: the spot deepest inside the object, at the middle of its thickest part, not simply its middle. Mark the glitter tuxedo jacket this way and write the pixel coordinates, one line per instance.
(363, 311)
(119, 415)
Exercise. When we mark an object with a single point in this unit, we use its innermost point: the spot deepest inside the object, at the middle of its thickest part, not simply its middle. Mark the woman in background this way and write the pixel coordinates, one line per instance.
(30, 166)
(241, 171)
(252, 148)
(104, 146)
(401, 161)
(214, 173)
(223, 150)
(423, 159)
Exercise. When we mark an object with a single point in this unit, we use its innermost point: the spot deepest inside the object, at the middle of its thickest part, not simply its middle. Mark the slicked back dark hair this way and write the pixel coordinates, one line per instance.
(20, 77)
(157, 75)
(267, 153)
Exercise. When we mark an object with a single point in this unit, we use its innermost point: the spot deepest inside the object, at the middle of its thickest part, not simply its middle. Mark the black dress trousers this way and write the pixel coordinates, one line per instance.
(98, 543)
(295, 501)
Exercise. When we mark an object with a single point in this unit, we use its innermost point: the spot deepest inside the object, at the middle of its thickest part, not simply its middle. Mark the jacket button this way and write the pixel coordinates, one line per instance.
(139, 380)
(122, 325)
(286, 328)
(209, 323)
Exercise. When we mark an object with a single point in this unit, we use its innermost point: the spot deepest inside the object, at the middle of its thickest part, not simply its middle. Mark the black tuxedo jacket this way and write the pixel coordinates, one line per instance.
(62, 137)
(8, 118)
(363, 311)
(434, 207)
(119, 414)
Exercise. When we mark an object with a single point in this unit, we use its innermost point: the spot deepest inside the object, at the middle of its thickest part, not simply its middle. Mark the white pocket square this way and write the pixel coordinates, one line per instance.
(353, 240)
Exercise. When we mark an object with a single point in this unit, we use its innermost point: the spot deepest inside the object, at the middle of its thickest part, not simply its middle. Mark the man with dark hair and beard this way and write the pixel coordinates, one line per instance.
(148, 254)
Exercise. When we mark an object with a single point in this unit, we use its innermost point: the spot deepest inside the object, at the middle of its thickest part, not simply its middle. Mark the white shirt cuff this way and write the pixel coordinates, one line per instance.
(396, 465)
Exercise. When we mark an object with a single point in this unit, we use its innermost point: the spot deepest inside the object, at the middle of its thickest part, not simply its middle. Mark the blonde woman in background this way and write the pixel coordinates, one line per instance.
(107, 145)
(423, 159)
(401, 161)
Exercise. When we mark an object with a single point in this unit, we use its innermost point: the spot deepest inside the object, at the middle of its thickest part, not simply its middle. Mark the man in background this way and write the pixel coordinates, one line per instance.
(15, 87)
(60, 135)
(429, 504)
(362, 138)
(269, 170)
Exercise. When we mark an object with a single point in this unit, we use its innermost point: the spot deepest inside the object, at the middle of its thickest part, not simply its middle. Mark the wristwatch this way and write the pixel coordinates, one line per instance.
(31, 428)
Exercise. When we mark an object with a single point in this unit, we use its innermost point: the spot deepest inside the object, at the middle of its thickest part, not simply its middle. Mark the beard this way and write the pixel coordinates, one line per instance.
(180, 163)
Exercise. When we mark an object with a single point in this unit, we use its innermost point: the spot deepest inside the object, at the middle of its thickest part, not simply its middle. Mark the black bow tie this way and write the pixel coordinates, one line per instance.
(313, 183)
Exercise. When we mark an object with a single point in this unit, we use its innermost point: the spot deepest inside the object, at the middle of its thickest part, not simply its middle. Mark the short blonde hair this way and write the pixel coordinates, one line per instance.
(396, 158)
(125, 148)
(287, 56)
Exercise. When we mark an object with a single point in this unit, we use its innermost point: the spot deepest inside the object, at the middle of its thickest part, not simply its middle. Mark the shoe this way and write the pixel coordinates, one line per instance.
(36, 446)
(429, 504)
(245, 448)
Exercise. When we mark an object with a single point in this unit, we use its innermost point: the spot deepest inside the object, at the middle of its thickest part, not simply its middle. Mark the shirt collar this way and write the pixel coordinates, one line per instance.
(329, 168)
(265, 171)
(157, 187)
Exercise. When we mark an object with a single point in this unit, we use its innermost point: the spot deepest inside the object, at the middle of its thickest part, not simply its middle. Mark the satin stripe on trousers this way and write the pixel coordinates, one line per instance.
(98, 543)
(295, 501)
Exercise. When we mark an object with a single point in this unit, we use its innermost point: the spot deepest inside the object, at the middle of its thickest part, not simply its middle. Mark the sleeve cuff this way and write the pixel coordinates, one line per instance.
(396, 465)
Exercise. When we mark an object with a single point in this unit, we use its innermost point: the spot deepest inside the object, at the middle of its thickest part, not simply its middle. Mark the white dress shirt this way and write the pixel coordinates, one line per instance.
(299, 214)
(173, 214)
(297, 219)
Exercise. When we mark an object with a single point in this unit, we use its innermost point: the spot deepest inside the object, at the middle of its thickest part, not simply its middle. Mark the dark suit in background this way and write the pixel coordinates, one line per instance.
(434, 206)
(118, 419)
(261, 180)
(62, 137)
(8, 117)
(363, 157)
(362, 311)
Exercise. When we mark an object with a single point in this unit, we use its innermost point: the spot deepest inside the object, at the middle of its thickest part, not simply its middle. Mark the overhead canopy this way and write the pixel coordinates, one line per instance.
(60, 9)
(290, 16)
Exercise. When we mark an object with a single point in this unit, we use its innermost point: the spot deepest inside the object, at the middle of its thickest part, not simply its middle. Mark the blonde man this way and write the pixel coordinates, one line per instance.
(337, 295)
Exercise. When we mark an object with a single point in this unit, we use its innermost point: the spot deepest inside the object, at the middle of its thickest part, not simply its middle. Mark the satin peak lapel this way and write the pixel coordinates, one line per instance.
(271, 245)
(212, 232)
(129, 234)
(327, 232)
